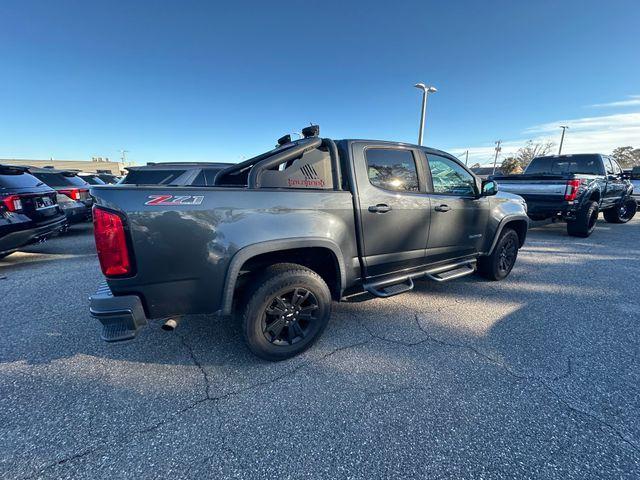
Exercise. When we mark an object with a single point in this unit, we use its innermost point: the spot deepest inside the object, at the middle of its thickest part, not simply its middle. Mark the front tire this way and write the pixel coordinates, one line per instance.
(585, 222)
(501, 261)
(621, 213)
(287, 308)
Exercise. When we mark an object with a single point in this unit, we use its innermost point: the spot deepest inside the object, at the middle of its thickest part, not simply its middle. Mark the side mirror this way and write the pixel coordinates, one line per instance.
(489, 187)
(626, 175)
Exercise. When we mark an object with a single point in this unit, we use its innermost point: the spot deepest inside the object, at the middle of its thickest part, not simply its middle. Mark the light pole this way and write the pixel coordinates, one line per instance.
(563, 127)
(425, 92)
(123, 155)
(495, 160)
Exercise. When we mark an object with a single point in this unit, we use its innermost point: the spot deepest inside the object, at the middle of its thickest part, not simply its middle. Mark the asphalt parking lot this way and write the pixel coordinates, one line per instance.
(534, 377)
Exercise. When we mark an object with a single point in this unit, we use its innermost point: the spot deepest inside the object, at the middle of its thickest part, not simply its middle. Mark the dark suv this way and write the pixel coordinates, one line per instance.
(197, 174)
(73, 192)
(29, 210)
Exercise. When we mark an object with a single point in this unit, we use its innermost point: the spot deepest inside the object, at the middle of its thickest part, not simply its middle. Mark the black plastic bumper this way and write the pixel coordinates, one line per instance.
(121, 316)
(24, 237)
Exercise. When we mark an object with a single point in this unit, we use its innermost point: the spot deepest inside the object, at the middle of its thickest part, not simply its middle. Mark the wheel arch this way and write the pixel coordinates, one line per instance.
(519, 223)
(289, 251)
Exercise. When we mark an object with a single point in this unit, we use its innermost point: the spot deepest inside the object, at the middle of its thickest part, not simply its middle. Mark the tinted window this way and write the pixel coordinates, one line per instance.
(585, 164)
(210, 175)
(60, 180)
(92, 180)
(16, 179)
(450, 178)
(152, 177)
(392, 169)
(199, 181)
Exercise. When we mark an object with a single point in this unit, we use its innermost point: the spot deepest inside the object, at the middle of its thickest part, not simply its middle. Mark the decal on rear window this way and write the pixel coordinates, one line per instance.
(164, 200)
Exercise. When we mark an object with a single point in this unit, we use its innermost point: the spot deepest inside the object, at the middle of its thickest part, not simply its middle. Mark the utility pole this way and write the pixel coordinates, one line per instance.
(425, 92)
(563, 127)
(123, 156)
(495, 160)
(466, 158)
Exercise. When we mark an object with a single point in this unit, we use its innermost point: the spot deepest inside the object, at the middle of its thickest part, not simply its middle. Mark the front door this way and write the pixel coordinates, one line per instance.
(394, 207)
(458, 215)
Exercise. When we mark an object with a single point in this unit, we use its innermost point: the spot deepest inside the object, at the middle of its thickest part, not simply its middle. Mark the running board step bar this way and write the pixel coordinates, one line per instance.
(461, 271)
(384, 291)
(395, 286)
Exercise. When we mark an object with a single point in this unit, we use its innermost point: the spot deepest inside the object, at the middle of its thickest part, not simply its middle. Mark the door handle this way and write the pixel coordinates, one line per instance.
(443, 208)
(379, 208)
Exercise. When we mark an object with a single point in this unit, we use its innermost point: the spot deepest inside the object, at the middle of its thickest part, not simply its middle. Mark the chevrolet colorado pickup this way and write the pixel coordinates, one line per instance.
(280, 235)
(574, 188)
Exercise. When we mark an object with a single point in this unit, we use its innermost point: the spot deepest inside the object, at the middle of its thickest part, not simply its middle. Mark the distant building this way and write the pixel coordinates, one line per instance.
(95, 165)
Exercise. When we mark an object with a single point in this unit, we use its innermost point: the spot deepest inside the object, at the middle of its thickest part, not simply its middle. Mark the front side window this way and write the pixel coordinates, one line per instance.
(392, 169)
(450, 178)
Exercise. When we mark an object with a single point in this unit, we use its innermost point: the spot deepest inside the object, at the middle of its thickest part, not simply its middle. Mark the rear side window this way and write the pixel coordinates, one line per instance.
(92, 180)
(16, 179)
(450, 178)
(311, 170)
(392, 169)
(152, 177)
(585, 164)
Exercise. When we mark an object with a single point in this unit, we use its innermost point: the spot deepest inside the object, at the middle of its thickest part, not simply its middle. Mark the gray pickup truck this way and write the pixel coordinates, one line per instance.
(281, 235)
(574, 188)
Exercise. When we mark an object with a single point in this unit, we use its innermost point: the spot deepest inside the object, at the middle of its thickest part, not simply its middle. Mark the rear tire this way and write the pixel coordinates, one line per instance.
(621, 213)
(501, 261)
(585, 222)
(287, 308)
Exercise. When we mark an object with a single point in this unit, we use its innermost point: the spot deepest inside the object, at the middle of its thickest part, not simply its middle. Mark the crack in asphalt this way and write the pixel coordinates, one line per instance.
(540, 379)
(207, 398)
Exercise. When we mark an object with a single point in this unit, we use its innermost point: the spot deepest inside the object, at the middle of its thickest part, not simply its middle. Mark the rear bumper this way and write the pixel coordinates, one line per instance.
(20, 238)
(550, 209)
(121, 317)
(76, 212)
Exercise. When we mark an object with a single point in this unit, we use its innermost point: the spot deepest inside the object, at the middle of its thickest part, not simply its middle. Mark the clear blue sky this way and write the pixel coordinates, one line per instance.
(189, 80)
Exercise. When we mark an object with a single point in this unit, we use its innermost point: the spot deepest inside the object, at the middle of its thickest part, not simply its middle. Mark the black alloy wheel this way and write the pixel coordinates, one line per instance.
(507, 255)
(289, 317)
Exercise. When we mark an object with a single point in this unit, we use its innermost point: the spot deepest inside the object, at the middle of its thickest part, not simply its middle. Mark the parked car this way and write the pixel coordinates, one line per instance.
(29, 211)
(485, 172)
(109, 178)
(574, 188)
(92, 178)
(73, 192)
(197, 174)
(634, 176)
(282, 234)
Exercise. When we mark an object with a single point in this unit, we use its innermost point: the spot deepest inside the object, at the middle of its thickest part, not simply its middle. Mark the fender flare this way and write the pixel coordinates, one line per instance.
(503, 222)
(253, 250)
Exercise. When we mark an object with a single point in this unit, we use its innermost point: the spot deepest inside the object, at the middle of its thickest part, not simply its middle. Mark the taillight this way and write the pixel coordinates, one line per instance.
(13, 203)
(571, 191)
(72, 193)
(111, 243)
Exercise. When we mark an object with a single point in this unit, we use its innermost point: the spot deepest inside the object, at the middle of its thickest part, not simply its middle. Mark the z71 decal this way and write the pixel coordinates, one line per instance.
(168, 200)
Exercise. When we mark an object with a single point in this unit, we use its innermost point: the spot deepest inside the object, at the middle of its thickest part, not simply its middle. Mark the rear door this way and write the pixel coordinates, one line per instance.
(615, 183)
(394, 206)
(458, 215)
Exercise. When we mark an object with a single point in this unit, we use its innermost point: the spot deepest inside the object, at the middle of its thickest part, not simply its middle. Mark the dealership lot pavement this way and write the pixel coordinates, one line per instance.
(534, 377)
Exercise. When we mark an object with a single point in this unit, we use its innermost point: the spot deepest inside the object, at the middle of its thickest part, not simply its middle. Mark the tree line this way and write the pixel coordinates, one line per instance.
(627, 157)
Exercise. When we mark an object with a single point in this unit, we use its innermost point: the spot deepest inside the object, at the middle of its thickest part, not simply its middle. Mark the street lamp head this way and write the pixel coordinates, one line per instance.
(564, 126)
(425, 88)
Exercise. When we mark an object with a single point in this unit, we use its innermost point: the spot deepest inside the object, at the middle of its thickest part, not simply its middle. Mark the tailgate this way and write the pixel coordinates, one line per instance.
(546, 188)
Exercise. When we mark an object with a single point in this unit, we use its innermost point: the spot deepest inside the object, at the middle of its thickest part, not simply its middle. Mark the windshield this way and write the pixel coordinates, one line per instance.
(584, 164)
(151, 177)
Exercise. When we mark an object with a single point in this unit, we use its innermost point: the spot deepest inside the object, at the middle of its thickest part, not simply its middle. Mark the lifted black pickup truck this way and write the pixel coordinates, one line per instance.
(574, 188)
(282, 234)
